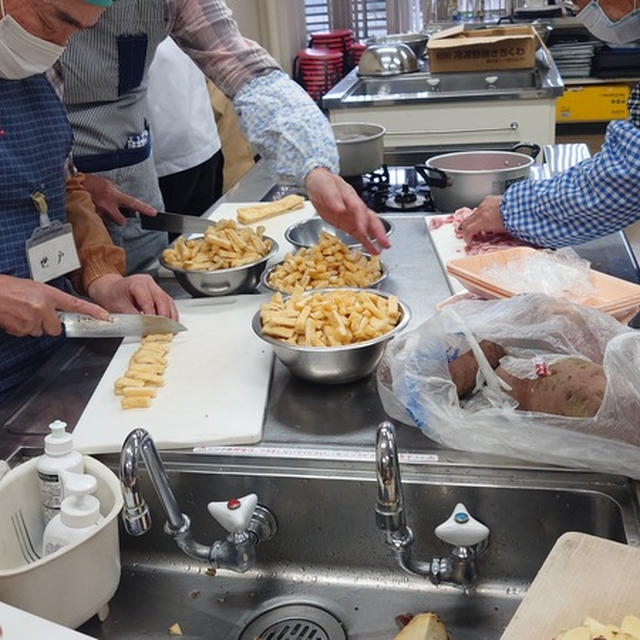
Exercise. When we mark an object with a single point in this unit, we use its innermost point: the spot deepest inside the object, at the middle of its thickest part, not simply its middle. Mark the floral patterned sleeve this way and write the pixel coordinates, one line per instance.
(286, 127)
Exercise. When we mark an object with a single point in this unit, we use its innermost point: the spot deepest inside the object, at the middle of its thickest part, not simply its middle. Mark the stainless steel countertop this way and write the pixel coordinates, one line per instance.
(355, 91)
(300, 417)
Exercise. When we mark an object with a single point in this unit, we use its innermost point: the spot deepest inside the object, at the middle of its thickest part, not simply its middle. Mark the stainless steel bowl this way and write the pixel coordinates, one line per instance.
(264, 279)
(417, 42)
(387, 60)
(223, 282)
(308, 232)
(334, 365)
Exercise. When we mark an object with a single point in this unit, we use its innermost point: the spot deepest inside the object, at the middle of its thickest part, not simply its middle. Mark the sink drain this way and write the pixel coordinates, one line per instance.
(294, 622)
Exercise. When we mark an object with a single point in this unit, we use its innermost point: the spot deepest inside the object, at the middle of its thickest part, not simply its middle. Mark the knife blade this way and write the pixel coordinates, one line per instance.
(175, 223)
(119, 325)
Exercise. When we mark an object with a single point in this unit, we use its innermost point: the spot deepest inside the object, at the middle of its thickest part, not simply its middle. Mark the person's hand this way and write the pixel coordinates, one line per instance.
(29, 308)
(339, 204)
(108, 200)
(133, 294)
(485, 219)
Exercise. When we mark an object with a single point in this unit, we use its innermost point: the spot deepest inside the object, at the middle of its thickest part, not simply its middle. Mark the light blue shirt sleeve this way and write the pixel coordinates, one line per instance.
(286, 127)
(595, 197)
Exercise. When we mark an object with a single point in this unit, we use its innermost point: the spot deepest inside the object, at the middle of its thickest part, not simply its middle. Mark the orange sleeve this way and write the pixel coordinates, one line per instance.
(98, 255)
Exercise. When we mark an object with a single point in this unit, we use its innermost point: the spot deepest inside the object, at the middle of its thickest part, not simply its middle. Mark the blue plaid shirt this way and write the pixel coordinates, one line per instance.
(598, 196)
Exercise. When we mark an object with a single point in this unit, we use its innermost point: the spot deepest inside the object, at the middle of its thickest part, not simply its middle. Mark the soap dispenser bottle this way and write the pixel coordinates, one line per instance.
(59, 455)
(79, 513)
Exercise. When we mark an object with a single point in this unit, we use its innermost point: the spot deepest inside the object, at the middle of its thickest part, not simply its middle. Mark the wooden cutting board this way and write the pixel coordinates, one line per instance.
(216, 383)
(582, 576)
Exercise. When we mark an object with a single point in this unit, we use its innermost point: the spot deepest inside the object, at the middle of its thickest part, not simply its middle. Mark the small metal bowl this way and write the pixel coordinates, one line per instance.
(387, 60)
(223, 282)
(264, 280)
(417, 42)
(308, 232)
(334, 365)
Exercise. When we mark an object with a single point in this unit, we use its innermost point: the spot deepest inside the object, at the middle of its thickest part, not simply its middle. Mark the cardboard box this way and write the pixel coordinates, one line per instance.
(598, 103)
(494, 49)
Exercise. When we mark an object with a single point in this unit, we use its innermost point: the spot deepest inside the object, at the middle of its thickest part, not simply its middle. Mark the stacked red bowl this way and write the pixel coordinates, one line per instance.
(335, 39)
(319, 70)
(355, 51)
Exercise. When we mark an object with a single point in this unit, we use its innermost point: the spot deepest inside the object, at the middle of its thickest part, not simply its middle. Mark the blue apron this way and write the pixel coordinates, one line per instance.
(35, 139)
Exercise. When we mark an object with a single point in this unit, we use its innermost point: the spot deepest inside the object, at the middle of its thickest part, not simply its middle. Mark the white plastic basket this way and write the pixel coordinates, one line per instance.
(77, 581)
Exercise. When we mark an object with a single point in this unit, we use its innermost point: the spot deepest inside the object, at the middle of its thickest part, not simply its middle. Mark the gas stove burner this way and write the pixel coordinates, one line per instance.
(378, 177)
(406, 199)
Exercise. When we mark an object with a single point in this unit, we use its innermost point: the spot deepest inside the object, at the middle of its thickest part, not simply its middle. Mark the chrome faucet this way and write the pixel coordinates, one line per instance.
(247, 522)
(468, 536)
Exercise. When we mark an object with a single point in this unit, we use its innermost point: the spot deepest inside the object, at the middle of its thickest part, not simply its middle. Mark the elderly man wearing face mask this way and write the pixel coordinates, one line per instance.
(37, 248)
(597, 196)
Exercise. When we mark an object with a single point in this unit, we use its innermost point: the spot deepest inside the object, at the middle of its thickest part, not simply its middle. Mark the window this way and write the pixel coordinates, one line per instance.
(317, 15)
(369, 18)
(365, 18)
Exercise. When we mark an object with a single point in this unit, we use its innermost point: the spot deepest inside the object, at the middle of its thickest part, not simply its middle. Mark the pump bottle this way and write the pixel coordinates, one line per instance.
(59, 455)
(79, 513)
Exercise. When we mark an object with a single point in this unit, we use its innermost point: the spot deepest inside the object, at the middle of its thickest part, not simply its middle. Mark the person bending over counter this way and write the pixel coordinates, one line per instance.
(104, 73)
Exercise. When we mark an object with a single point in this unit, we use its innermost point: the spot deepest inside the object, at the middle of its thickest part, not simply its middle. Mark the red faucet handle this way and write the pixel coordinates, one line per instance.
(235, 514)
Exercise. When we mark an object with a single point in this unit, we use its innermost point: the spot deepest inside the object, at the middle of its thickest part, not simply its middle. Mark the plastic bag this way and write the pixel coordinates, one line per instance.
(562, 273)
(416, 388)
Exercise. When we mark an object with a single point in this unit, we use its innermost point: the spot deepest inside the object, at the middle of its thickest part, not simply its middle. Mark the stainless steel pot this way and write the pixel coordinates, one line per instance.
(463, 179)
(360, 147)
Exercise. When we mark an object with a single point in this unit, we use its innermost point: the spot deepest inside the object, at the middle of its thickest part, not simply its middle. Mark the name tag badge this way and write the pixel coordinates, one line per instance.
(51, 252)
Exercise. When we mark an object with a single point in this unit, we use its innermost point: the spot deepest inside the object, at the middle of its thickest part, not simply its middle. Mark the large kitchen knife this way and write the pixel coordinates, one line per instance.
(119, 325)
(175, 223)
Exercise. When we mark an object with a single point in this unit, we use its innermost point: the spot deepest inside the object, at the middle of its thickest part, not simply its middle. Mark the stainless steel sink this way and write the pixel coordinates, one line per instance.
(327, 574)
(425, 84)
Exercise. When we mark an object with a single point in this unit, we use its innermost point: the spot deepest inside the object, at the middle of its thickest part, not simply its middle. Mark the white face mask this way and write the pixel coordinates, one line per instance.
(21, 53)
(623, 31)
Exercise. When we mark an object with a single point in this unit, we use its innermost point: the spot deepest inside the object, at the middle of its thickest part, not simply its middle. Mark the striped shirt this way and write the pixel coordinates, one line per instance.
(596, 197)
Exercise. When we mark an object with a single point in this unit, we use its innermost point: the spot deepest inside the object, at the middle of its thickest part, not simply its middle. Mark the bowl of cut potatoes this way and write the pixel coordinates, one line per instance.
(331, 336)
(328, 263)
(226, 260)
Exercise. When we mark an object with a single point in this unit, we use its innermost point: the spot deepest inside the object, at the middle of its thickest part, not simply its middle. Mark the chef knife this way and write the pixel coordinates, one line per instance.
(119, 325)
(175, 223)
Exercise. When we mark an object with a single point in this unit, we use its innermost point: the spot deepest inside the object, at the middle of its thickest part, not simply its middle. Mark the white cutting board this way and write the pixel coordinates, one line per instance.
(447, 247)
(20, 625)
(274, 227)
(216, 383)
(582, 576)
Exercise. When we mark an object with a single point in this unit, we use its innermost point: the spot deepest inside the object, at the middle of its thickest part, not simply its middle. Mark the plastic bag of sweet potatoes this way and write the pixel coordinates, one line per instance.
(534, 332)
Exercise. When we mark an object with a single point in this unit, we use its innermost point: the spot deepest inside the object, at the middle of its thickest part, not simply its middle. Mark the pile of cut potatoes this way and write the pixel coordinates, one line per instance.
(592, 629)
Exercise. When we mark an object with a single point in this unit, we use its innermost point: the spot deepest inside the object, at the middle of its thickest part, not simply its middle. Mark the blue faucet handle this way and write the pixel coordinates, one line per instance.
(461, 529)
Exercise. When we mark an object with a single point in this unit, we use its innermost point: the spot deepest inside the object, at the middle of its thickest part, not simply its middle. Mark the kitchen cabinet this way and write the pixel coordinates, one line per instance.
(462, 122)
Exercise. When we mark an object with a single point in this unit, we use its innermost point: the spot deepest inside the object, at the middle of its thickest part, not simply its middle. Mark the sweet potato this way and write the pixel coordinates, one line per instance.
(464, 368)
(574, 387)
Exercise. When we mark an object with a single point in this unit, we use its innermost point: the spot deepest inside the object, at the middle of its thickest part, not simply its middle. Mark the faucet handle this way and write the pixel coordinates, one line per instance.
(235, 514)
(461, 529)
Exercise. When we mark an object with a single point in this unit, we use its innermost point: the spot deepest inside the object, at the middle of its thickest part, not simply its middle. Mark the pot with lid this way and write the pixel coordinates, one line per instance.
(463, 179)
(360, 146)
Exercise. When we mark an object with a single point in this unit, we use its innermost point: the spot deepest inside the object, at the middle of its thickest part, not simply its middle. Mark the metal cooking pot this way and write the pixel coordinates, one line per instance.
(463, 179)
(360, 147)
